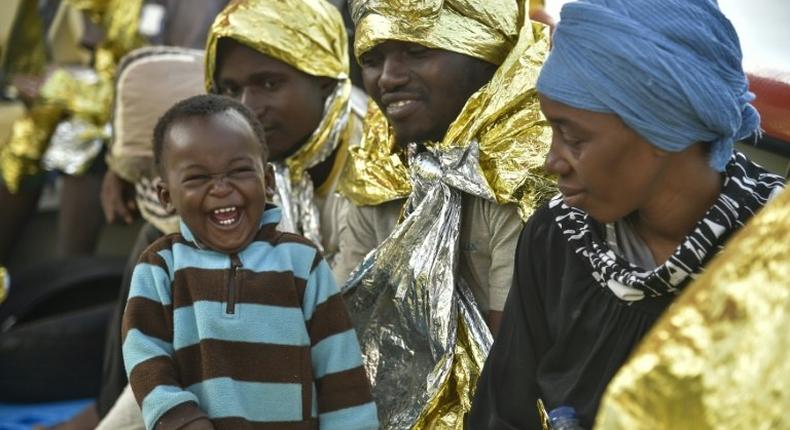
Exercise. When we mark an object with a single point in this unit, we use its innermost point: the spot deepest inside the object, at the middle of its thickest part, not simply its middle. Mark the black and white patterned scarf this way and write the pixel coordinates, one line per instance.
(746, 188)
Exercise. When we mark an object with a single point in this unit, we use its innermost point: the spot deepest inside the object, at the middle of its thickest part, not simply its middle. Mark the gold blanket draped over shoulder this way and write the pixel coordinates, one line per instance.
(504, 116)
(64, 94)
(308, 35)
(422, 334)
(718, 357)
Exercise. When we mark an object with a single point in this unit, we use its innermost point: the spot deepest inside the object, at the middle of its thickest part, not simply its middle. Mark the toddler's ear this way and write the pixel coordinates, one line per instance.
(164, 195)
(269, 182)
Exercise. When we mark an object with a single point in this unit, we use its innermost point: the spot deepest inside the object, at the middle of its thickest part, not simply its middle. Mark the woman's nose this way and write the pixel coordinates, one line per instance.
(556, 163)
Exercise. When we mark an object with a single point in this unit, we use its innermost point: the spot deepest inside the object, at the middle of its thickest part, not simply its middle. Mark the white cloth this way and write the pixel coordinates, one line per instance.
(124, 415)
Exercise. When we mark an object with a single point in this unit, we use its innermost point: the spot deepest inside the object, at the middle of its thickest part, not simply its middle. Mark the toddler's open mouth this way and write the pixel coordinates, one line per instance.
(226, 216)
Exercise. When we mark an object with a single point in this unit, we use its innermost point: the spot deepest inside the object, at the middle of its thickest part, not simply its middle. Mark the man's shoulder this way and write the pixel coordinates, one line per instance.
(388, 207)
(484, 210)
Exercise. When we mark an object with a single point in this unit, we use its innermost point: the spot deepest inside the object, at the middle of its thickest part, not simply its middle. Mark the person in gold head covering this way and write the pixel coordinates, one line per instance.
(420, 65)
(448, 169)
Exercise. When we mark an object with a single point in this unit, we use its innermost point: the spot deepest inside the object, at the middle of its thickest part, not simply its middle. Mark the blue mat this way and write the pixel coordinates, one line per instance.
(25, 416)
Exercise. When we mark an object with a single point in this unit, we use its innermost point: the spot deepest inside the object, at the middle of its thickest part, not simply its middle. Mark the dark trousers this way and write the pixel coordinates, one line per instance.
(52, 329)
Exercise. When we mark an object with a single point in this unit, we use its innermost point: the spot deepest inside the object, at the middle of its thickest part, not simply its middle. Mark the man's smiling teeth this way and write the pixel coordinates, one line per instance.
(399, 104)
(400, 109)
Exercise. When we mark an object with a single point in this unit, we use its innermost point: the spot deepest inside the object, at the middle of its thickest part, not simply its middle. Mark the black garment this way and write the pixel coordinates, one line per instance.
(562, 336)
(52, 329)
(113, 377)
(55, 358)
(565, 333)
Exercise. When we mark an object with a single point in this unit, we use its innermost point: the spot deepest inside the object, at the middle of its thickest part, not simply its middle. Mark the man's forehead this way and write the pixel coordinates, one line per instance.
(229, 64)
(395, 44)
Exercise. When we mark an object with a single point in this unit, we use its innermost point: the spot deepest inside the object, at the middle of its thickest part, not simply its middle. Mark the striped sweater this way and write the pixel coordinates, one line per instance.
(255, 340)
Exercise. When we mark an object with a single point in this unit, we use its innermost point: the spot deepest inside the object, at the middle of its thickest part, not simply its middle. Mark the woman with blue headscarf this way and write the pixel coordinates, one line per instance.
(646, 99)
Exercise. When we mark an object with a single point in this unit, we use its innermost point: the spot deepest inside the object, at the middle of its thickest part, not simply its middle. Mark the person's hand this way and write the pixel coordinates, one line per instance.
(28, 86)
(117, 199)
(201, 424)
(543, 17)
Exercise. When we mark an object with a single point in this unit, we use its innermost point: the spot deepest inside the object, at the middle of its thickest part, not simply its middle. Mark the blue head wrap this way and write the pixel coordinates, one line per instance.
(670, 69)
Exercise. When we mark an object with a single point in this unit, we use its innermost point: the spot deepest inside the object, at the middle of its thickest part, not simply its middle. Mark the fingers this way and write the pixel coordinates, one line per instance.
(117, 199)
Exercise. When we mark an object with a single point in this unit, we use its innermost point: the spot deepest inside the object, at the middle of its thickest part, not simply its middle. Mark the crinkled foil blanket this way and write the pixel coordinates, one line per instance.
(717, 359)
(424, 344)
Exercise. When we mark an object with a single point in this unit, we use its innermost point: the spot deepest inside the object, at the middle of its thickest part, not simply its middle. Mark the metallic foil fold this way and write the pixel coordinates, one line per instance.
(421, 332)
(308, 35)
(73, 147)
(30, 134)
(300, 214)
(718, 357)
(482, 29)
(25, 50)
(375, 173)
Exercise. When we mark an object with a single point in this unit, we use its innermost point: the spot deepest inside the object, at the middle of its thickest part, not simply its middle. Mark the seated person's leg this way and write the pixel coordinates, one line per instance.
(124, 415)
(81, 218)
(18, 208)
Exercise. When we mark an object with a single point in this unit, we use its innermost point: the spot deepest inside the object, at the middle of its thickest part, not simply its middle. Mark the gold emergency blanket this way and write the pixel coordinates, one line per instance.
(421, 332)
(482, 29)
(25, 53)
(717, 359)
(375, 173)
(24, 50)
(308, 35)
(85, 98)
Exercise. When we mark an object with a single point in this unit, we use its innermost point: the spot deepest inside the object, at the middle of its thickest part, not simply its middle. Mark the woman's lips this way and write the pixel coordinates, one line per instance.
(571, 196)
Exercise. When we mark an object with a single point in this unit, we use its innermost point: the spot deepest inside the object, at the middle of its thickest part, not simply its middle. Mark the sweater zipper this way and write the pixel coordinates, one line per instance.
(235, 264)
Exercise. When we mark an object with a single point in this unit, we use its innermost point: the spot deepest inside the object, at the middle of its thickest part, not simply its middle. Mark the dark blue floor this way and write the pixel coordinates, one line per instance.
(25, 416)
